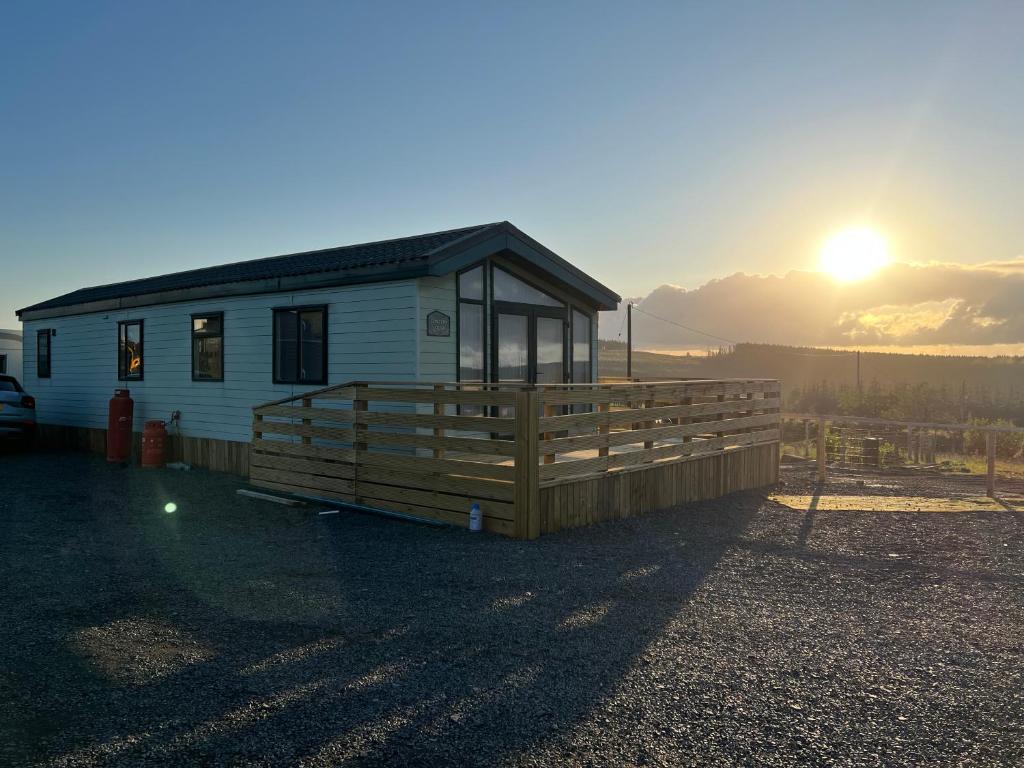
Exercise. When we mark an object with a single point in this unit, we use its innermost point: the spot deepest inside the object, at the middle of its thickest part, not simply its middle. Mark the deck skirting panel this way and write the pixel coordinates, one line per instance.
(204, 452)
(617, 495)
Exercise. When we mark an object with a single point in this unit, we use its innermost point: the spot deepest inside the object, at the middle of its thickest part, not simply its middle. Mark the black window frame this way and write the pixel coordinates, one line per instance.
(3, 364)
(560, 303)
(194, 335)
(482, 302)
(48, 372)
(122, 373)
(299, 381)
(575, 309)
(485, 284)
(532, 311)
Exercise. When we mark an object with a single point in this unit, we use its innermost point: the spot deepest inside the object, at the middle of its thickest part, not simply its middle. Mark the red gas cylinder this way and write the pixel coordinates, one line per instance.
(154, 440)
(119, 426)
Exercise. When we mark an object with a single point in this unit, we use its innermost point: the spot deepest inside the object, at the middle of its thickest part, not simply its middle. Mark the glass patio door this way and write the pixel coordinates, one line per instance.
(513, 346)
(550, 351)
(529, 346)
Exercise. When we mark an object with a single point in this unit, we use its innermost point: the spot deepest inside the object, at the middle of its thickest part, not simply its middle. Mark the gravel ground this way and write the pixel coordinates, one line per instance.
(234, 631)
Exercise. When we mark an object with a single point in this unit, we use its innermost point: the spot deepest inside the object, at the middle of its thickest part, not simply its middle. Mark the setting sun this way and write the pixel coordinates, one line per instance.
(854, 254)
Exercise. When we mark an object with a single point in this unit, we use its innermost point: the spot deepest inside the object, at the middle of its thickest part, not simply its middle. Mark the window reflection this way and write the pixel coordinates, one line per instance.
(509, 288)
(581, 370)
(513, 348)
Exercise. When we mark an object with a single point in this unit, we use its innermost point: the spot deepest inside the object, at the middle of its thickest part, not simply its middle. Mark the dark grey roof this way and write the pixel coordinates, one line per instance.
(433, 253)
(347, 257)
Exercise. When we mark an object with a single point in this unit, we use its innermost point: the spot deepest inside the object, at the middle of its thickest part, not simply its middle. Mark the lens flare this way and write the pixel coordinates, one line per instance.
(170, 507)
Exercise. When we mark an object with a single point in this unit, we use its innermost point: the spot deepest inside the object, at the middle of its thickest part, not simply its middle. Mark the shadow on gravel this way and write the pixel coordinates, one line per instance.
(808, 522)
(233, 630)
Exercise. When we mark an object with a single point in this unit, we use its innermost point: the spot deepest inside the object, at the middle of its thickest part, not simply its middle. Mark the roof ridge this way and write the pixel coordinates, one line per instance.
(468, 230)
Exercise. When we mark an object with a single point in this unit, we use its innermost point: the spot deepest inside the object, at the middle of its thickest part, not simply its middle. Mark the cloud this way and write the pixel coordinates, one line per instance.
(903, 304)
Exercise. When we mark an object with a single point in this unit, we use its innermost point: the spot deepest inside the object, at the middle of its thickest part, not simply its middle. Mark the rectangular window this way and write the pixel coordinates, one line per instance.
(3, 363)
(471, 332)
(300, 345)
(43, 353)
(581, 370)
(208, 347)
(471, 284)
(129, 350)
(471, 342)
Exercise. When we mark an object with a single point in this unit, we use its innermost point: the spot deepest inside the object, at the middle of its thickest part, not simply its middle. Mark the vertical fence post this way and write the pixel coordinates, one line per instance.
(990, 473)
(438, 411)
(687, 419)
(807, 439)
(649, 403)
(603, 428)
(527, 471)
(549, 458)
(822, 452)
(910, 444)
(307, 402)
(358, 405)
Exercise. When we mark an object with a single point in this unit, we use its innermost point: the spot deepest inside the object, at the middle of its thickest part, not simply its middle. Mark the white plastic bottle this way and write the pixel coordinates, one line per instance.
(476, 520)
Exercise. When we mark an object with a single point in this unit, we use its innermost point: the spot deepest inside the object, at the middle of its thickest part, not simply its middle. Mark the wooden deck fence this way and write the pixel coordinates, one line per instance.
(536, 459)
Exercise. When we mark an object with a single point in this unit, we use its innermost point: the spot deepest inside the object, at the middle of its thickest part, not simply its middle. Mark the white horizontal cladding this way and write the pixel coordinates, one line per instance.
(370, 336)
(438, 355)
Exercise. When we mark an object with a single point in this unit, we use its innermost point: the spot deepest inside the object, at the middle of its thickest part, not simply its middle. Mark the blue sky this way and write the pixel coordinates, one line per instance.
(649, 143)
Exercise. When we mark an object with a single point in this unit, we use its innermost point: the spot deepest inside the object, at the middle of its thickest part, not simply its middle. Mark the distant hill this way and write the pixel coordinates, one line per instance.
(1001, 377)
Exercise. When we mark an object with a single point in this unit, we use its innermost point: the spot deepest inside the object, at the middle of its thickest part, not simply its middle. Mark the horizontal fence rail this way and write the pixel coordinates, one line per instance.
(592, 429)
(424, 450)
(433, 450)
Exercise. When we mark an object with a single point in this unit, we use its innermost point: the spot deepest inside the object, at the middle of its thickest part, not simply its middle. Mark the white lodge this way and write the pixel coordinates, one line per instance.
(480, 304)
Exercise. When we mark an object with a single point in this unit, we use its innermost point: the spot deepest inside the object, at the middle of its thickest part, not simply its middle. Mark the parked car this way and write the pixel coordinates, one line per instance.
(17, 412)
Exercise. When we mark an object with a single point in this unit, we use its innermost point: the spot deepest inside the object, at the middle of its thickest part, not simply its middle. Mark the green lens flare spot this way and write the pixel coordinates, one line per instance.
(170, 507)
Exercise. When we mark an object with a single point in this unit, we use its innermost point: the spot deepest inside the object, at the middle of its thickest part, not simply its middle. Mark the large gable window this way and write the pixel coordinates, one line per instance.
(512, 289)
(129, 350)
(300, 345)
(208, 347)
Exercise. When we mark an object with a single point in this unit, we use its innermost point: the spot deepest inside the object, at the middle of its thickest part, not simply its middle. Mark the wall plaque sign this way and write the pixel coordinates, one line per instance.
(439, 324)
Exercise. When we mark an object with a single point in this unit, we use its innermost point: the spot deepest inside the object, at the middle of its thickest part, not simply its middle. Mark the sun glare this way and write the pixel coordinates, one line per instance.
(854, 254)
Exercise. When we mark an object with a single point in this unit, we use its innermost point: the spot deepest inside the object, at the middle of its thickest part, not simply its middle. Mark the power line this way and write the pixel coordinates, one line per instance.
(684, 327)
(622, 324)
(823, 353)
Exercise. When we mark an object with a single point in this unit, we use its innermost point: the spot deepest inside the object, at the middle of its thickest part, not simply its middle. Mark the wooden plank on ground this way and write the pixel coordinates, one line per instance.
(268, 497)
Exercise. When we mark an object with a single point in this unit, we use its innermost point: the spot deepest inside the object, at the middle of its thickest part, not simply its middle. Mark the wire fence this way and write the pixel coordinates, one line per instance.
(834, 441)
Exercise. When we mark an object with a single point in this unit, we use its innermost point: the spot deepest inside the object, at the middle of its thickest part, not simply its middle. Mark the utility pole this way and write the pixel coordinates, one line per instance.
(629, 340)
(858, 371)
